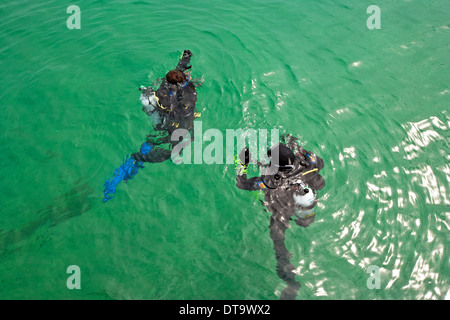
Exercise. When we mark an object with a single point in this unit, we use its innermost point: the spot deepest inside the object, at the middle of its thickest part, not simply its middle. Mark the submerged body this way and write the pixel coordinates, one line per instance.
(171, 107)
(290, 193)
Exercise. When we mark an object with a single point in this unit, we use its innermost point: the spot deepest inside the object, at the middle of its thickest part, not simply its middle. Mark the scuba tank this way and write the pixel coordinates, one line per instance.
(147, 99)
(305, 200)
(150, 104)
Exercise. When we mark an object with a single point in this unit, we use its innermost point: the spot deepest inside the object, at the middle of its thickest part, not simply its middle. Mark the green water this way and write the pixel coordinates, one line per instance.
(374, 104)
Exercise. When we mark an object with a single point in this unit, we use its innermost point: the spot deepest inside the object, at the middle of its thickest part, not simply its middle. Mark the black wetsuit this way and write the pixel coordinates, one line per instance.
(278, 193)
(176, 105)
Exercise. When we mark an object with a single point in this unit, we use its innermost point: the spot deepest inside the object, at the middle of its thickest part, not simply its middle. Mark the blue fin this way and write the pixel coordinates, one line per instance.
(126, 171)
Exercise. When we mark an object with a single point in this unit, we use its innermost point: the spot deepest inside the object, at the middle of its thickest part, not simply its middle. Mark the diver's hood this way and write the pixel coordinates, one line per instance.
(281, 156)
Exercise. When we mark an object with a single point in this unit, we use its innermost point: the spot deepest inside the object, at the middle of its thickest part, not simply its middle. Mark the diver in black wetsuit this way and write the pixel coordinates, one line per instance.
(171, 107)
(289, 192)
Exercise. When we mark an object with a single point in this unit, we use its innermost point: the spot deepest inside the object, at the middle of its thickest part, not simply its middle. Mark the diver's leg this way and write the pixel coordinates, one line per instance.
(154, 156)
(284, 267)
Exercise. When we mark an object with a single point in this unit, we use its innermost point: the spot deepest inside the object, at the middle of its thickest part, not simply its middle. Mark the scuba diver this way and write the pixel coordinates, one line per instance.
(289, 191)
(171, 107)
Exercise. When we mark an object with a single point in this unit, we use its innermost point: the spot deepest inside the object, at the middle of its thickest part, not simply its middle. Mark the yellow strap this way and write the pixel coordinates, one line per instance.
(310, 215)
(159, 104)
(310, 171)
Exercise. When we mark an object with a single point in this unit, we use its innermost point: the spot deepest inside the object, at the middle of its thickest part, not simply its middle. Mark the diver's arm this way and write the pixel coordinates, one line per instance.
(311, 176)
(256, 183)
(294, 144)
(313, 160)
(242, 182)
(184, 61)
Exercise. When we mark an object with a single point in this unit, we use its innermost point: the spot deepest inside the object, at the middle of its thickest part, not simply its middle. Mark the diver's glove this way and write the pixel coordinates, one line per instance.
(184, 61)
(240, 167)
(187, 53)
(245, 156)
(242, 161)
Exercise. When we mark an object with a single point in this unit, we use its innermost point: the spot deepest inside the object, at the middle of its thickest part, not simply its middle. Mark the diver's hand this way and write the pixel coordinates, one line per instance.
(242, 161)
(245, 156)
(241, 168)
(187, 53)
